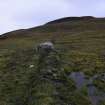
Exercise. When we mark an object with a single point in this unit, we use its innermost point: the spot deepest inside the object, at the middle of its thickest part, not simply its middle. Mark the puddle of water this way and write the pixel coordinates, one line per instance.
(95, 95)
(92, 93)
(80, 80)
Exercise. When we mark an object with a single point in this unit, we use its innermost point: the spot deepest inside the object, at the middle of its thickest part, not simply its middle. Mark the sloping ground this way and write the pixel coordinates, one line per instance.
(81, 47)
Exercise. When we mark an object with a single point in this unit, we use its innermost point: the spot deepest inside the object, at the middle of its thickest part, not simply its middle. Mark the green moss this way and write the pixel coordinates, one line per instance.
(100, 84)
(79, 99)
(84, 90)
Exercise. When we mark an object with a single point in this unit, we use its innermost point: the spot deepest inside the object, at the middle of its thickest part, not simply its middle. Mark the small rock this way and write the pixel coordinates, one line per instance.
(49, 71)
(31, 66)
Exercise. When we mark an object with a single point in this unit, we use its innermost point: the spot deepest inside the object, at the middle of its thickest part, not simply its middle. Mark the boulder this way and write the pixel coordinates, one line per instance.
(45, 47)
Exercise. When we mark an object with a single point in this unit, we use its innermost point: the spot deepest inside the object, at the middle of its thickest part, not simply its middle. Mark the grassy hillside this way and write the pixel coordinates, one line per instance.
(81, 47)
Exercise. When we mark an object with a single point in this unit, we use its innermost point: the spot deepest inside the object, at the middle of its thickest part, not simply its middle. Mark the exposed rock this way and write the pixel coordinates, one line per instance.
(31, 66)
(45, 48)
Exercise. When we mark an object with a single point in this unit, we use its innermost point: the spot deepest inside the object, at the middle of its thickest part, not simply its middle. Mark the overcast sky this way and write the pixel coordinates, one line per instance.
(20, 14)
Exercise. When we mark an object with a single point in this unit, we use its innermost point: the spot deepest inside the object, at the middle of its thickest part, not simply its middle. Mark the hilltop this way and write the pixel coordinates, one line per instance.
(68, 19)
(63, 24)
(25, 79)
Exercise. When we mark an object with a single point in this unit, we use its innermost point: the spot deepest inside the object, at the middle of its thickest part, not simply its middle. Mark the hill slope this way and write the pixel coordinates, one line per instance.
(80, 43)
